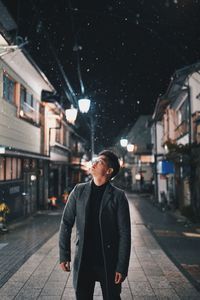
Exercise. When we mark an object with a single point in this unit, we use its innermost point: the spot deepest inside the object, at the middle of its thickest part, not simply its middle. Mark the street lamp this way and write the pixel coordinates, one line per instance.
(71, 114)
(130, 147)
(123, 142)
(84, 106)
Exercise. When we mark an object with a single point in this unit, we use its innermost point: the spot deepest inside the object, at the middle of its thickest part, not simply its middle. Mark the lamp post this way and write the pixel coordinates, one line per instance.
(84, 106)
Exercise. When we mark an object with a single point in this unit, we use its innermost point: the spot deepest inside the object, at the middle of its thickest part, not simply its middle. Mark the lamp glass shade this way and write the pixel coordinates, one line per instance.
(84, 105)
(71, 114)
(130, 147)
(124, 142)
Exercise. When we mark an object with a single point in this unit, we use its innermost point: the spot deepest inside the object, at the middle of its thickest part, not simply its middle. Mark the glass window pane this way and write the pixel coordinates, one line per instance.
(8, 168)
(2, 168)
(8, 88)
(19, 168)
(22, 95)
(14, 168)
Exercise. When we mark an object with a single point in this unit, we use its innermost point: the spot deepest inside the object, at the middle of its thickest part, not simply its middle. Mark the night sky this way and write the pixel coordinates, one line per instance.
(127, 51)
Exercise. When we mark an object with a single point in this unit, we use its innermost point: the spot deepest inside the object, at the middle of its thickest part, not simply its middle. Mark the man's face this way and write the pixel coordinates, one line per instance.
(100, 167)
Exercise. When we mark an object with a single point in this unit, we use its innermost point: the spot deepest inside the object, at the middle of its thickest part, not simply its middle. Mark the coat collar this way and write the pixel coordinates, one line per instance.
(106, 195)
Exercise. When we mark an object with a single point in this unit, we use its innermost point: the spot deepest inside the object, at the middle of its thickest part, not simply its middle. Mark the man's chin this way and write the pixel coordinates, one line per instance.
(91, 171)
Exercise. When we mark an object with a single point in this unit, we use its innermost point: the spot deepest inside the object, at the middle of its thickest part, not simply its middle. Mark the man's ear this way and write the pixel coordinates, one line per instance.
(109, 171)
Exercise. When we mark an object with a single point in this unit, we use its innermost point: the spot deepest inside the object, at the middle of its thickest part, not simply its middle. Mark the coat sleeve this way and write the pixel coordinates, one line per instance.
(67, 222)
(124, 230)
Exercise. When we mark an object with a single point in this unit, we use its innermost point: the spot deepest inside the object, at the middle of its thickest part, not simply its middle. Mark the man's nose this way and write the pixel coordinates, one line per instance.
(94, 163)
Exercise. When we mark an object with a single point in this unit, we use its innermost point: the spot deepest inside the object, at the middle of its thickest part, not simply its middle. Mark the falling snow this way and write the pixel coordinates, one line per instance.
(127, 54)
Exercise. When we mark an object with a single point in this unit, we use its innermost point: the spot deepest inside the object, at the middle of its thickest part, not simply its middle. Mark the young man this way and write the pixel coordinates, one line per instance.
(103, 232)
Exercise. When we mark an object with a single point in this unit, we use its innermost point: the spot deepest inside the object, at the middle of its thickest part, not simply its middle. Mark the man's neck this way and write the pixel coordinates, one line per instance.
(100, 180)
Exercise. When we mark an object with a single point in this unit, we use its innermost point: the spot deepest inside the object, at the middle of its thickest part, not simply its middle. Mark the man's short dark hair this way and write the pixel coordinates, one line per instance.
(112, 160)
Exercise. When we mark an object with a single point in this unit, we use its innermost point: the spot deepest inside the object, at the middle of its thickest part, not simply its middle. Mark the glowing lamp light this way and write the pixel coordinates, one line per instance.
(71, 114)
(138, 176)
(84, 105)
(121, 162)
(33, 177)
(21, 113)
(130, 147)
(124, 142)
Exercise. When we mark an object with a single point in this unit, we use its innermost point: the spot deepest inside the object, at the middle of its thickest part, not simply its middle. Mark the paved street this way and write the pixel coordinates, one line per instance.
(179, 238)
(152, 275)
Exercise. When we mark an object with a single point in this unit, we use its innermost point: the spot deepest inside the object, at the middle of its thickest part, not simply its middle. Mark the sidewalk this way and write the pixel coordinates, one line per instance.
(151, 274)
(24, 238)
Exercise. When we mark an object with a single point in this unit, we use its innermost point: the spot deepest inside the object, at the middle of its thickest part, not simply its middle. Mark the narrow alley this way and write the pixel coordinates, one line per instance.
(152, 274)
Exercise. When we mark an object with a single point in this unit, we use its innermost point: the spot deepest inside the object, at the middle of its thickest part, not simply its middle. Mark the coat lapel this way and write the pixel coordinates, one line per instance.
(85, 196)
(106, 197)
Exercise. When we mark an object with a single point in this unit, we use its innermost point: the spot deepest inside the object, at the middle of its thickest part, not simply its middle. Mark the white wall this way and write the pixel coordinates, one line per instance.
(159, 128)
(15, 132)
(194, 82)
(162, 186)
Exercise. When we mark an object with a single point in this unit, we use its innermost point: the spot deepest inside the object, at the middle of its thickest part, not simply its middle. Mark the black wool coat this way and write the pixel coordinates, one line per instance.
(114, 220)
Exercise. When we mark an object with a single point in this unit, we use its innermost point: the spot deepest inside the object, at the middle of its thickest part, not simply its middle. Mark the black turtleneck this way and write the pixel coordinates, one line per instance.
(93, 255)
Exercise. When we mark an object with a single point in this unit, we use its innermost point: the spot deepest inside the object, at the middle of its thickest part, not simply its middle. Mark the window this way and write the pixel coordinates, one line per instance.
(22, 95)
(14, 168)
(19, 168)
(29, 106)
(183, 112)
(10, 168)
(2, 168)
(58, 132)
(29, 99)
(8, 88)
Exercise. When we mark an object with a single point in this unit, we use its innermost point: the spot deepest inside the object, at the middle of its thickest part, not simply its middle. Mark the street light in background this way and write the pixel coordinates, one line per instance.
(84, 106)
(130, 147)
(71, 114)
(123, 142)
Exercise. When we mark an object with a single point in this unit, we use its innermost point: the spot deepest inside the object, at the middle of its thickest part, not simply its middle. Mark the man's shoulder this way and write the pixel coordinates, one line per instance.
(116, 189)
(81, 186)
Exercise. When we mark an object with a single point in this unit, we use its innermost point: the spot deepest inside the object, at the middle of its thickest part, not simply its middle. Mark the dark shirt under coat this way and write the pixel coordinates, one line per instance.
(93, 252)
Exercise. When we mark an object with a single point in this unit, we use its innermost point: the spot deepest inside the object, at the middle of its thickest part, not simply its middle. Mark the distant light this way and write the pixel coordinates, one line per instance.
(130, 147)
(71, 114)
(124, 142)
(84, 105)
(2, 150)
(121, 162)
(191, 234)
(33, 177)
(166, 148)
(21, 113)
(138, 176)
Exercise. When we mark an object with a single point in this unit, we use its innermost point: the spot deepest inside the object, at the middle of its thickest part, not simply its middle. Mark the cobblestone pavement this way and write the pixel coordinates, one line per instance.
(152, 275)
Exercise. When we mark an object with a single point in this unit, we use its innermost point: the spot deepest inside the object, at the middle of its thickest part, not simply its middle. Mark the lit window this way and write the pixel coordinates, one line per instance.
(8, 168)
(2, 168)
(14, 168)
